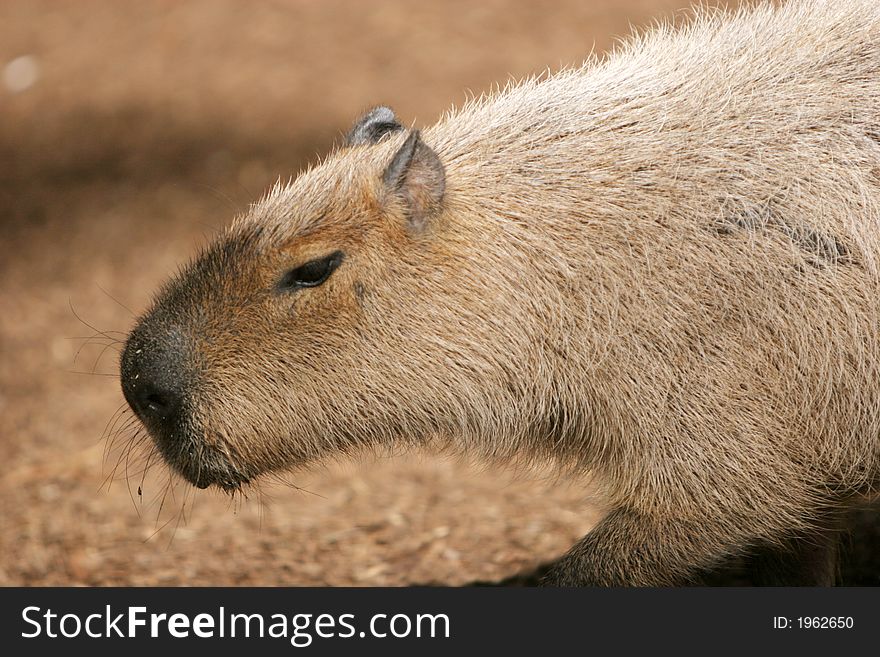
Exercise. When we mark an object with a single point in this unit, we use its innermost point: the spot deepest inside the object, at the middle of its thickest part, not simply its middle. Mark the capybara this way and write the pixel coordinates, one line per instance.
(660, 268)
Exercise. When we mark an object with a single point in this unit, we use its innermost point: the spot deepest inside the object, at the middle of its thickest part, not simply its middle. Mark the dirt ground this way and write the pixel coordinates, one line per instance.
(128, 133)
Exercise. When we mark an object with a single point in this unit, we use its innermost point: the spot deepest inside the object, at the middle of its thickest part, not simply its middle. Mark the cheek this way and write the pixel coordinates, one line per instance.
(283, 339)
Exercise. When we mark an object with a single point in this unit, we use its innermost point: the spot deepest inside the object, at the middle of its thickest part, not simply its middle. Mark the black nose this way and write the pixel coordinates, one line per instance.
(152, 380)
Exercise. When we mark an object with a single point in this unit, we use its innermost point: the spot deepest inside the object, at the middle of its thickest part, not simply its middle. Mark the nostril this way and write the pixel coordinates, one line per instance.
(156, 402)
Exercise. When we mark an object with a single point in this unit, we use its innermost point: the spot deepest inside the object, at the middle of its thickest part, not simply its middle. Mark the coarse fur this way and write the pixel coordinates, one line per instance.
(661, 267)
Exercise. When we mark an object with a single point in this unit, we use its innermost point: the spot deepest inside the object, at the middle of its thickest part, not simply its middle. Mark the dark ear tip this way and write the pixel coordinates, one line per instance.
(373, 126)
(382, 113)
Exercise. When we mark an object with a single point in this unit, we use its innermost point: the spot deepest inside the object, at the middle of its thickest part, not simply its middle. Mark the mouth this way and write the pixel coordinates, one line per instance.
(206, 465)
(200, 462)
(228, 479)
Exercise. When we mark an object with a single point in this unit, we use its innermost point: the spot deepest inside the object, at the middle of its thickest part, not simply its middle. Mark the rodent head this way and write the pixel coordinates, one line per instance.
(313, 325)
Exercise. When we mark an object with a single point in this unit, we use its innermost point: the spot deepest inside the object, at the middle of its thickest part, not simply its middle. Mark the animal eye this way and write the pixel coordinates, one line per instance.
(311, 274)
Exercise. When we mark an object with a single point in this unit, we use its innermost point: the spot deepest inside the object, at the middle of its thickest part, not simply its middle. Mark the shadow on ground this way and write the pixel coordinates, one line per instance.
(859, 559)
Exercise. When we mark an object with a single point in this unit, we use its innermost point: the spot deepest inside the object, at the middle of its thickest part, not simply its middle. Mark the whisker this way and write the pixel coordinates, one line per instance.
(122, 305)
(107, 335)
(117, 414)
(128, 476)
(181, 516)
(158, 529)
(85, 323)
(122, 432)
(280, 478)
(103, 351)
(153, 451)
(89, 341)
(168, 487)
(133, 441)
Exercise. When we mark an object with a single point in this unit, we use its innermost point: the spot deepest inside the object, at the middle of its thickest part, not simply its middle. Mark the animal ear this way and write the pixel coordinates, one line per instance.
(416, 176)
(372, 127)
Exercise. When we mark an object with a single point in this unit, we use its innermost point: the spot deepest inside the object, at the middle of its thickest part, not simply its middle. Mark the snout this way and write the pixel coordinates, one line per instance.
(157, 377)
(153, 379)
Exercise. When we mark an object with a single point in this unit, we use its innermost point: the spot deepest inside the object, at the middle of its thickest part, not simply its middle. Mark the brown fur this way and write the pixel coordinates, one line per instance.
(661, 268)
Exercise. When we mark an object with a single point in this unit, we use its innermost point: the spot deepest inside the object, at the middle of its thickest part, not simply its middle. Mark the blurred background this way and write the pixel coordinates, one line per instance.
(128, 133)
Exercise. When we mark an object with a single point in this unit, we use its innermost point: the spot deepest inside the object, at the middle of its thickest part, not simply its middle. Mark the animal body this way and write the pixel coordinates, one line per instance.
(661, 268)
